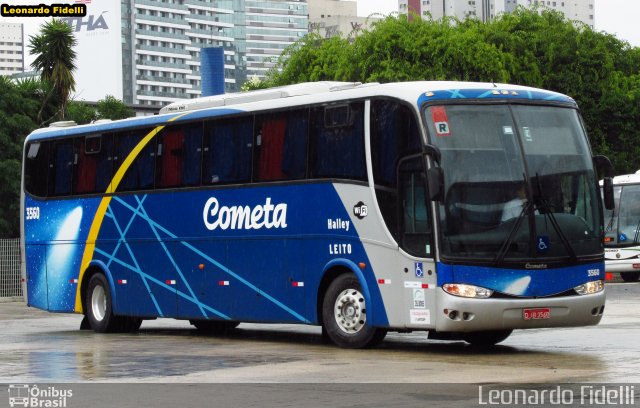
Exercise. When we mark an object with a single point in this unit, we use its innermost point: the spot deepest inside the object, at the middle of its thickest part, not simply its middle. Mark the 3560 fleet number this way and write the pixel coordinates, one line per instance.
(33, 213)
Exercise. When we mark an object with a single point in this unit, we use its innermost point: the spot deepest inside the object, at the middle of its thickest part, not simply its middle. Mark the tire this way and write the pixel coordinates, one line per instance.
(99, 311)
(486, 338)
(344, 315)
(217, 327)
(630, 276)
(129, 324)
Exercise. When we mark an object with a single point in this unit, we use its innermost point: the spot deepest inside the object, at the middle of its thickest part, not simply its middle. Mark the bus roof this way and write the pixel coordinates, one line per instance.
(308, 94)
(627, 179)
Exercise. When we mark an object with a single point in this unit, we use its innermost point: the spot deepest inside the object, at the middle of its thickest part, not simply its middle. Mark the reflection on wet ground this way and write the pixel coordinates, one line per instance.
(48, 347)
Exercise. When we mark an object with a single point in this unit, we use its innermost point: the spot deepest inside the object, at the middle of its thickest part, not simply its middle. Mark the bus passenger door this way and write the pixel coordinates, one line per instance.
(416, 239)
(415, 224)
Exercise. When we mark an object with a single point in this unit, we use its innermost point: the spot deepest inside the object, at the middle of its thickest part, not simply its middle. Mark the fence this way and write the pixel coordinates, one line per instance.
(10, 268)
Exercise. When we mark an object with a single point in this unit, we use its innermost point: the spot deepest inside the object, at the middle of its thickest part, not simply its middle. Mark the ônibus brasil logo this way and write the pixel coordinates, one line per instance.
(22, 395)
(244, 217)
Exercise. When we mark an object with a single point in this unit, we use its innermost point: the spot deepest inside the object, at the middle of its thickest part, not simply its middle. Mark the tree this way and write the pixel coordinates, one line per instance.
(538, 48)
(55, 59)
(254, 83)
(18, 109)
(80, 112)
(112, 108)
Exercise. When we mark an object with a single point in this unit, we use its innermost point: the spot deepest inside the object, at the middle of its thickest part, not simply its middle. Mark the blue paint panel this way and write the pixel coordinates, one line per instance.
(273, 263)
(200, 295)
(37, 295)
(526, 283)
(62, 260)
(539, 95)
(265, 296)
(259, 255)
(55, 243)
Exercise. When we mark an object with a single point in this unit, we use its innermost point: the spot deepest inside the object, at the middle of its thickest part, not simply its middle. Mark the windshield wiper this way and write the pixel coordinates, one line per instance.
(502, 252)
(546, 210)
(636, 233)
(609, 226)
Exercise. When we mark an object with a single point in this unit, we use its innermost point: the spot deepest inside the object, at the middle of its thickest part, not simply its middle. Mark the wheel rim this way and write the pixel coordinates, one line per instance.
(98, 303)
(349, 311)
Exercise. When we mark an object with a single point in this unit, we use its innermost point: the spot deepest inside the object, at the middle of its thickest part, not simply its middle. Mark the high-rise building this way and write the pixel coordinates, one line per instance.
(580, 10)
(11, 52)
(154, 46)
(337, 17)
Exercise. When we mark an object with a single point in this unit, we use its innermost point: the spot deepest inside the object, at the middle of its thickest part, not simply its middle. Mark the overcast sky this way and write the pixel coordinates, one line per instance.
(618, 17)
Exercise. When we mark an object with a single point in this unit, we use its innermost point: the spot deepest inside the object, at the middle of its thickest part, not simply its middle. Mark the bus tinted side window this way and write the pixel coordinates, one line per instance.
(60, 167)
(337, 137)
(281, 146)
(92, 164)
(179, 156)
(227, 151)
(394, 134)
(36, 168)
(140, 174)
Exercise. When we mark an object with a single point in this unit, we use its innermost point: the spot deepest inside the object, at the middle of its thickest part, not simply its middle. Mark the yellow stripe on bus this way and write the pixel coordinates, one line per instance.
(104, 204)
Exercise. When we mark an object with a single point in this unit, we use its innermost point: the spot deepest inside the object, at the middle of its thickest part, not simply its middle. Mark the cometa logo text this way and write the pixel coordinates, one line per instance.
(244, 217)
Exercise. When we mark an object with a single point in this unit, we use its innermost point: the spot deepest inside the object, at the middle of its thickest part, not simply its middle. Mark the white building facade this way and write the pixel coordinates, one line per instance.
(11, 48)
(152, 47)
(579, 10)
(330, 18)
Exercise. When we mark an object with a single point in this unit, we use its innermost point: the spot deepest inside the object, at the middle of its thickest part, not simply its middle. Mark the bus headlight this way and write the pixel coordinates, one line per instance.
(589, 287)
(468, 291)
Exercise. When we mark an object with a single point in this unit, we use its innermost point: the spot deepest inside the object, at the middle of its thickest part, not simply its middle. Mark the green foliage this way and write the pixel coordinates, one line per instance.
(253, 84)
(55, 59)
(81, 113)
(18, 111)
(526, 47)
(113, 108)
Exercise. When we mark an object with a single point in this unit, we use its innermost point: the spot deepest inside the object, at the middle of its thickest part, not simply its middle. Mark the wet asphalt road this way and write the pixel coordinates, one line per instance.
(40, 347)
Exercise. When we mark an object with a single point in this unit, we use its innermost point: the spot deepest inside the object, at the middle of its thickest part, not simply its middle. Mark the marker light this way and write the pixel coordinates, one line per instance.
(589, 287)
(468, 291)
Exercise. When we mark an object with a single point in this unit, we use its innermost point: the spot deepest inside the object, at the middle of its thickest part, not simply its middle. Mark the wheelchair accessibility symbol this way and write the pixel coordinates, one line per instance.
(543, 243)
(419, 270)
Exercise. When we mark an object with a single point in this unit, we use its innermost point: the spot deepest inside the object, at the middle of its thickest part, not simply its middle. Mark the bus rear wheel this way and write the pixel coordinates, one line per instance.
(486, 338)
(630, 276)
(99, 309)
(214, 326)
(344, 315)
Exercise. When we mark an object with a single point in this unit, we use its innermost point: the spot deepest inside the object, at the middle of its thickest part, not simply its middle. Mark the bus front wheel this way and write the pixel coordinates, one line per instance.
(630, 276)
(486, 338)
(344, 315)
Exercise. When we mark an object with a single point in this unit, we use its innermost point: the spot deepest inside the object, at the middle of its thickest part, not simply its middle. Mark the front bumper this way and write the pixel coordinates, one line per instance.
(621, 265)
(505, 314)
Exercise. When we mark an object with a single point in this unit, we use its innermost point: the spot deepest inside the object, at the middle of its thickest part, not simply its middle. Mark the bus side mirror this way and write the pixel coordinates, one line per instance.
(603, 163)
(435, 181)
(607, 192)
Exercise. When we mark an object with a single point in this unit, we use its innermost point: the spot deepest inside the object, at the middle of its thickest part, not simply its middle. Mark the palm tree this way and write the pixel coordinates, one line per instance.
(55, 59)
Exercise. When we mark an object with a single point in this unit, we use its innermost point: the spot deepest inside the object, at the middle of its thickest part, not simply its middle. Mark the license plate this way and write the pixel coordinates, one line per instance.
(536, 314)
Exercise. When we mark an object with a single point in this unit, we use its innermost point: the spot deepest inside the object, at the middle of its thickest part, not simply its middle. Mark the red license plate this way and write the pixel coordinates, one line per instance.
(536, 314)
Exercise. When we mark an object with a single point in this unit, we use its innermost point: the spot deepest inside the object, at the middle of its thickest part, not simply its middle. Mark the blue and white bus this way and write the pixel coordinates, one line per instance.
(364, 208)
(622, 228)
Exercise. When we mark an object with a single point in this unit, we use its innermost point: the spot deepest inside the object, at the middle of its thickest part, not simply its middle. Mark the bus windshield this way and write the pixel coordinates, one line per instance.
(519, 184)
(622, 224)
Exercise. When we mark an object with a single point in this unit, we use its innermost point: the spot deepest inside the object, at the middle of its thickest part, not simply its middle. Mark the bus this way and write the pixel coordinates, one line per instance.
(622, 229)
(361, 208)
